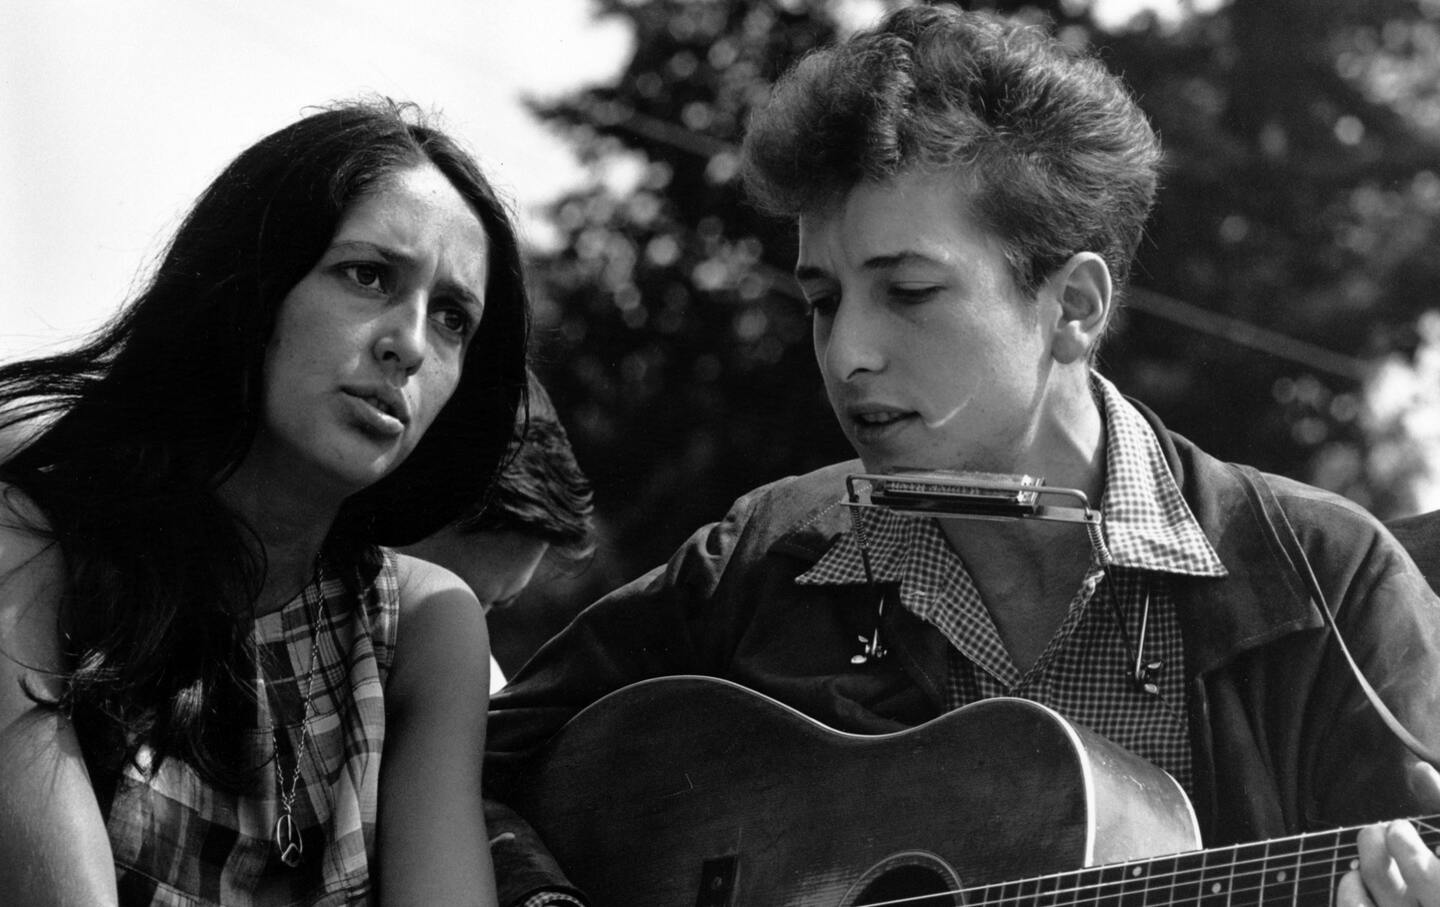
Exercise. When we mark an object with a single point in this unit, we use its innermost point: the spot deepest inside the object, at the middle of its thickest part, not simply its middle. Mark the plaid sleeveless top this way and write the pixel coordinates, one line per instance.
(178, 841)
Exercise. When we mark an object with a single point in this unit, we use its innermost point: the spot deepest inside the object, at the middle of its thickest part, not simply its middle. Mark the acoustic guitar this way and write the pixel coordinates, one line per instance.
(695, 791)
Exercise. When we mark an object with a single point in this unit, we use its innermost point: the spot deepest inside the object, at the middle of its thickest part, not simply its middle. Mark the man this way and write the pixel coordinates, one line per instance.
(541, 504)
(969, 194)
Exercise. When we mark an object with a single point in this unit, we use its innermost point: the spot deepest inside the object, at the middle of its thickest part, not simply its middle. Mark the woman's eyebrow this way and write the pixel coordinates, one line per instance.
(462, 293)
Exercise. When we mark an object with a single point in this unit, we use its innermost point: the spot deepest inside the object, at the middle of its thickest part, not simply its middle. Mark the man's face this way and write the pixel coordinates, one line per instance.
(496, 564)
(932, 356)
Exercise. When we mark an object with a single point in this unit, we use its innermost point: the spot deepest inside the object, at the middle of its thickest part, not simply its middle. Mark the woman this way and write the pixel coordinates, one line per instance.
(205, 693)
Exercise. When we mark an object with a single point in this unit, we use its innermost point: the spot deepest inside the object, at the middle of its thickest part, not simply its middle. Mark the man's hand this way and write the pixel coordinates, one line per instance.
(1396, 868)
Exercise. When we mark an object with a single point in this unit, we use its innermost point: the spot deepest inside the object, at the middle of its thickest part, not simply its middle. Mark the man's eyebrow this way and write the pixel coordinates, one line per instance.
(873, 263)
(896, 259)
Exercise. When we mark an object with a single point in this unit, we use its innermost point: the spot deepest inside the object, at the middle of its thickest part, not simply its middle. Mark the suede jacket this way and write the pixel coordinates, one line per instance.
(1421, 537)
(1284, 739)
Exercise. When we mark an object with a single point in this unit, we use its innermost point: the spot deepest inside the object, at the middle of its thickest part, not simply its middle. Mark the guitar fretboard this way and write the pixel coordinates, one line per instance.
(1299, 870)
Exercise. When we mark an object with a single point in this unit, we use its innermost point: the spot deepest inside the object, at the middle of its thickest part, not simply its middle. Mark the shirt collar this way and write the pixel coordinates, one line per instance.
(1146, 522)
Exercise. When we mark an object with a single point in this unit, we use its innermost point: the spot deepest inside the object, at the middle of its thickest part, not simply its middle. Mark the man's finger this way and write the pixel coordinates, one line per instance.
(1424, 783)
(1351, 891)
(1416, 862)
(1382, 878)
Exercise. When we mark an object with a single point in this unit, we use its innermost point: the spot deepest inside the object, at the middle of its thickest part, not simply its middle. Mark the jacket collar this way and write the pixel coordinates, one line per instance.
(810, 536)
(1261, 599)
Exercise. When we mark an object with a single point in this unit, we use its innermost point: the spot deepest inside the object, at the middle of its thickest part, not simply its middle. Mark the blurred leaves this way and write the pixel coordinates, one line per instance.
(668, 331)
(1301, 196)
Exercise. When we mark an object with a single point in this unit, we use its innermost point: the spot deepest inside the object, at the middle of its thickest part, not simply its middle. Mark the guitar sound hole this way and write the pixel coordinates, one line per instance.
(919, 886)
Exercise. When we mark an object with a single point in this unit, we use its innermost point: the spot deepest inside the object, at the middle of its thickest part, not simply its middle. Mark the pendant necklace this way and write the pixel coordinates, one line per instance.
(288, 844)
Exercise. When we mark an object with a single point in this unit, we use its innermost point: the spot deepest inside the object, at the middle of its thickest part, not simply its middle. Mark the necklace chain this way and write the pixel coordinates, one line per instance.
(287, 838)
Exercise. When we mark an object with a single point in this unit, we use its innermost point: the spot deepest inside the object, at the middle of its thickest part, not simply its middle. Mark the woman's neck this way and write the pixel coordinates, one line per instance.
(289, 531)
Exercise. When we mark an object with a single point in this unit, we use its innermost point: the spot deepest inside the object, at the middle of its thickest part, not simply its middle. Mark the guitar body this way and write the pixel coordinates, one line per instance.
(695, 791)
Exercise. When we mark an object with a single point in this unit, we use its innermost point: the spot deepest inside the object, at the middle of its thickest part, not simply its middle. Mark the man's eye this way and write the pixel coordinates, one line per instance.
(500, 604)
(821, 305)
(911, 293)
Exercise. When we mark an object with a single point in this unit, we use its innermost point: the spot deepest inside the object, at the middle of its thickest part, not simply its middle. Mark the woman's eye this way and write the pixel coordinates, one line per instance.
(456, 321)
(369, 276)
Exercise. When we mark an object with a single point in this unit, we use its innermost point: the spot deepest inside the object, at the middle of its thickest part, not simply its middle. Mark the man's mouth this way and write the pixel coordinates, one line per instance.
(877, 419)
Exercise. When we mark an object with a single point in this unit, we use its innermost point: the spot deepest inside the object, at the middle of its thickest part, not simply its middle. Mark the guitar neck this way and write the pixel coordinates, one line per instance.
(1302, 869)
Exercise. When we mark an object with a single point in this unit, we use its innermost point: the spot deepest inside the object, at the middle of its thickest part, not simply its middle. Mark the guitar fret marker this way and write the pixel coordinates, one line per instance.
(1280, 876)
(1216, 888)
(1136, 872)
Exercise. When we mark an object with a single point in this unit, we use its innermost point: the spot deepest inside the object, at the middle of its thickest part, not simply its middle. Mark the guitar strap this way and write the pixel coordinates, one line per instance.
(1263, 496)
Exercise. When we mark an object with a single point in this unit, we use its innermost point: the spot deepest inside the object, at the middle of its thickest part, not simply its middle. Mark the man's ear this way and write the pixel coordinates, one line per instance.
(1082, 287)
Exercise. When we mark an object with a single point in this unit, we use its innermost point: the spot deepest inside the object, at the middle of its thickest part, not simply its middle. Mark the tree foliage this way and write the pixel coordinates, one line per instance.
(1296, 240)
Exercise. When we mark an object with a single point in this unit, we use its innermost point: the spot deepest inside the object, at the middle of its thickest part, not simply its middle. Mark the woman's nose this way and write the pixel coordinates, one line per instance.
(403, 338)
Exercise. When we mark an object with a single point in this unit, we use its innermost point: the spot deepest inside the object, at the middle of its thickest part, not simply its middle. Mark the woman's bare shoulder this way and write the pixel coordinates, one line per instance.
(420, 581)
(442, 626)
(25, 535)
(32, 582)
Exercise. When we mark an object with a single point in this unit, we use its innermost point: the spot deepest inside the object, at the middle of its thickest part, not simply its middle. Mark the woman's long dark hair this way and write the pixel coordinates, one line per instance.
(131, 433)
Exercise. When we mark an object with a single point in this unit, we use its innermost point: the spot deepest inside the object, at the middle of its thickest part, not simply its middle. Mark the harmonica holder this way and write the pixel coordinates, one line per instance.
(950, 495)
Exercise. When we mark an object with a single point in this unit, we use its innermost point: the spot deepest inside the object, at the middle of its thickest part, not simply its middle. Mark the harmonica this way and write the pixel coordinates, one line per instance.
(979, 495)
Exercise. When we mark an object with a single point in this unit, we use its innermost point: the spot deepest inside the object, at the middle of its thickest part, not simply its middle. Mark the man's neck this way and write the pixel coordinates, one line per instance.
(1028, 571)
(1067, 444)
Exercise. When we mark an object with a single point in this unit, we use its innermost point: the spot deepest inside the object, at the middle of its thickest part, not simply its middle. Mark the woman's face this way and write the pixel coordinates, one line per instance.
(368, 346)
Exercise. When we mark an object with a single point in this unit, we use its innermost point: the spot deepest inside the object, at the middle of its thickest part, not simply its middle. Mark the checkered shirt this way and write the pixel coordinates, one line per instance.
(1086, 671)
(178, 841)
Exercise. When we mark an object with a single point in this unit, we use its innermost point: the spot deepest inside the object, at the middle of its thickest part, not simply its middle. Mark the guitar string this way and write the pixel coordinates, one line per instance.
(1093, 893)
(1236, 883)
(1242, 871)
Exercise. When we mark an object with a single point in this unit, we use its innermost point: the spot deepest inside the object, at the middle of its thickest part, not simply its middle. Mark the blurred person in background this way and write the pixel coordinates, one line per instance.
(216, 687)
(540, 505)
(970, 193)
(1420, 534)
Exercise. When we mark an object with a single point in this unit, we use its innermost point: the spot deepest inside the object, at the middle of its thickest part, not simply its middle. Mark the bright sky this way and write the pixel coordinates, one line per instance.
(116, 115)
